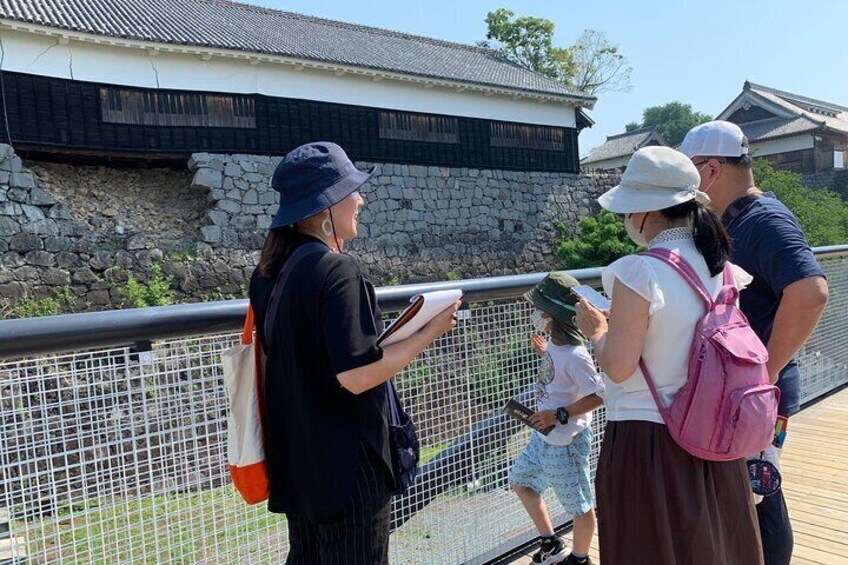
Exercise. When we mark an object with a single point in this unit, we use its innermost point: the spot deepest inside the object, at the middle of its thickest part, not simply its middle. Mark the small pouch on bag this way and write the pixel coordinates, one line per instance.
(403, 440)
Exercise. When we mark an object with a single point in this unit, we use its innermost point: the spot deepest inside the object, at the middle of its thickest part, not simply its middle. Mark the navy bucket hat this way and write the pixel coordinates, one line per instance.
(311, 178)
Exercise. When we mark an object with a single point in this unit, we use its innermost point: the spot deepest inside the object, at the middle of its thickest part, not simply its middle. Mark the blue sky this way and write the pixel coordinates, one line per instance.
(698, 53)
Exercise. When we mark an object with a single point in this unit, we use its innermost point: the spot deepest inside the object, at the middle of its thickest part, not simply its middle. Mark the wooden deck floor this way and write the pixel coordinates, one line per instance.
(815, 472)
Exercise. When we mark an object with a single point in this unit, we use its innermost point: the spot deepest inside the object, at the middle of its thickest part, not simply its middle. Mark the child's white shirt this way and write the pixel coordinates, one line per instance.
(566, 374)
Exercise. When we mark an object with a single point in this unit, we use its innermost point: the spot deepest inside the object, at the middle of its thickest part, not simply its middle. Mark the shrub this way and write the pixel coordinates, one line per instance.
(822, 213)
(62, 301)
(598, 242)
(157, 291)
(32, 308)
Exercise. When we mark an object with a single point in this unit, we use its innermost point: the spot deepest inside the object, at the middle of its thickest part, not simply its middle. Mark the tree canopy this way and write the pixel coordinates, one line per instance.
(671, 120)
(591, 65)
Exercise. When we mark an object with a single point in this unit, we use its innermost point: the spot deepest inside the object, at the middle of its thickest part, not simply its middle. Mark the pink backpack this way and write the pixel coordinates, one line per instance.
(727, 409)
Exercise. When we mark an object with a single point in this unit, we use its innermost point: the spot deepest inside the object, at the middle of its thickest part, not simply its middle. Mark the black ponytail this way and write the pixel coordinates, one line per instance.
(710, 237)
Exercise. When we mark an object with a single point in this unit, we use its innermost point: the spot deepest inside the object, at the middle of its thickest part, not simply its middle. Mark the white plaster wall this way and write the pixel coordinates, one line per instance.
(44, 55)
(606, 164)
(782, 145)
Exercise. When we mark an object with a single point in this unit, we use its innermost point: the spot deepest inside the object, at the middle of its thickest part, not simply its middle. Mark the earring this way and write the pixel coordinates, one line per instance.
(327, 227)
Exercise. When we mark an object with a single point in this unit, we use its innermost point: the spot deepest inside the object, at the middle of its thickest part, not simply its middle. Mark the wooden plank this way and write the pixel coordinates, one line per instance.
(814, 464)
(816, 454)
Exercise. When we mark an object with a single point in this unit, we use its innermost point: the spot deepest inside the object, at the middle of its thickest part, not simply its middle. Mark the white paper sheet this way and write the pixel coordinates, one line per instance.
(434, 303)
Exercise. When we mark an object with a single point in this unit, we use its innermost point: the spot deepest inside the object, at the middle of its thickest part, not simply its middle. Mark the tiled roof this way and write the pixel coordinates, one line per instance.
(777, 127)
(797, 98)
(222, 24)
(622, 145)
(800, 113)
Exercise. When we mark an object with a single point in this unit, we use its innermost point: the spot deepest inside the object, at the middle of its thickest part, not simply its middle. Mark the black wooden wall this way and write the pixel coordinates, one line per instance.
(56, 114)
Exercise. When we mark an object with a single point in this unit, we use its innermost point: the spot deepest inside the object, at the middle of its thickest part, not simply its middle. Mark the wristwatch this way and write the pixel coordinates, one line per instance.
(562, 415)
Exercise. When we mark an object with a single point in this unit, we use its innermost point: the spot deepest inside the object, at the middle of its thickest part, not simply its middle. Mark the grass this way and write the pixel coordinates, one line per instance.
(428, 453)
(172, 528)
(60, 302)
(169, 528)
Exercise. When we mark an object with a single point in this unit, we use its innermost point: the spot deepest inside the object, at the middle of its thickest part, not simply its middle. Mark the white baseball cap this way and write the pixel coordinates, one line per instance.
(715, 139)
(656, 178)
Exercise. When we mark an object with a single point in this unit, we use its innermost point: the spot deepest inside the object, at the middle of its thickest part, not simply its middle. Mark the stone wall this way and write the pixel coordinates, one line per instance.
(835, 180)
(82, 231)
(419, 223)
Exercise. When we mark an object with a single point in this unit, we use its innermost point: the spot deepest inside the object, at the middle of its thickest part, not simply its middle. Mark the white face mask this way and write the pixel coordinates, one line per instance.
(635, 235)
(709, 186)
(540, 324)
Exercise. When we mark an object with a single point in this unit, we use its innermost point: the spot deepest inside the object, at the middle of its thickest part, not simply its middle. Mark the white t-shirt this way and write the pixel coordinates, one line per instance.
(674, 311)
(566, 374)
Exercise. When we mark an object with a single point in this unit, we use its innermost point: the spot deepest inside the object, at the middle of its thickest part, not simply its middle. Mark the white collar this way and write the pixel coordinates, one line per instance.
(671, 235)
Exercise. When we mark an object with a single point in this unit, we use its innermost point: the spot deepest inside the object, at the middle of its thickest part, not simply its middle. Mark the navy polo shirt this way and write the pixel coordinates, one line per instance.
(768, 242)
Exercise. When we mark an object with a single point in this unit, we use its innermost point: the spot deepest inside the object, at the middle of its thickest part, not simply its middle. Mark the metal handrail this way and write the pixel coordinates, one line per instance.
(74, 332)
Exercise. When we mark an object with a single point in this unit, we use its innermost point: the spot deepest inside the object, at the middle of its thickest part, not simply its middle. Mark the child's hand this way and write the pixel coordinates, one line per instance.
(543, 419)
(540, 344)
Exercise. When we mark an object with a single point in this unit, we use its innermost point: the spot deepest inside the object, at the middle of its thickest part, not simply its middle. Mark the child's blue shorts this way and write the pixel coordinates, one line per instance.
(565, 468)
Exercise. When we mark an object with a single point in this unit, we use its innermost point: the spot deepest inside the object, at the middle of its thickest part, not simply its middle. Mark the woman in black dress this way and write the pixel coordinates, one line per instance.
(325, 403)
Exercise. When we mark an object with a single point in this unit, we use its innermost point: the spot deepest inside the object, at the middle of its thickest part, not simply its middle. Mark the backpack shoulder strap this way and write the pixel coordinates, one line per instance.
(729, 277)
(737, 207)
(728, 294)
(650, 380)
(682, 266)
(273, 304)
(394, 403)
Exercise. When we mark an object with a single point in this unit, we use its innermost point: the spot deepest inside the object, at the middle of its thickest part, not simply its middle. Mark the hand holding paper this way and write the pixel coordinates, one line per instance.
(422, 309)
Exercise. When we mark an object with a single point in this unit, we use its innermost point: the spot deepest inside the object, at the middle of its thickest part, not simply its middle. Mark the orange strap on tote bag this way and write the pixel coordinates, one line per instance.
(243, 365)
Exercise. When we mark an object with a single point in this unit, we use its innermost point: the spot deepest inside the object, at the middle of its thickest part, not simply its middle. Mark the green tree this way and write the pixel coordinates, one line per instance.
(526, 40)
(672, 121)
(592, 65)
(598, 242)
(597, 65)
(822, 213)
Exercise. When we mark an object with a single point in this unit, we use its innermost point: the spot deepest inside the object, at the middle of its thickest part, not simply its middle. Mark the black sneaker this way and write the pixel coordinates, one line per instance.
(571, 560)
(551, 551)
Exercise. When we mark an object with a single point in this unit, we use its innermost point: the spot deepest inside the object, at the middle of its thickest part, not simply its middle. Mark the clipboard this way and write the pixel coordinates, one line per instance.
(422, 308)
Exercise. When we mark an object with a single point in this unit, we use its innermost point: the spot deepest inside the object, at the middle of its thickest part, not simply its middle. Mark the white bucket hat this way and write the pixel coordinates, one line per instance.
(656, 178)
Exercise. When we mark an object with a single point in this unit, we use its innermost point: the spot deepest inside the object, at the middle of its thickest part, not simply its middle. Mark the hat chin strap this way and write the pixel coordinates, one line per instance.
(336, 238)
(644, 219)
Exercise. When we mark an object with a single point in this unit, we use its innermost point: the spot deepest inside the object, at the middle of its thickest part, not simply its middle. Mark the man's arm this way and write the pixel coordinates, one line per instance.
(800, 309)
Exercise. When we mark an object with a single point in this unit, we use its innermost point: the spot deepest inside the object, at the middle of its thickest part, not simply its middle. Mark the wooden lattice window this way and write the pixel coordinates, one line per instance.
(418, 127)
(520, 136)
(149, 108)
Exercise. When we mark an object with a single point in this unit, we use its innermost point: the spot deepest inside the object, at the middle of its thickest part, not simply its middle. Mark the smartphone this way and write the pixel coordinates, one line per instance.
(592, 296)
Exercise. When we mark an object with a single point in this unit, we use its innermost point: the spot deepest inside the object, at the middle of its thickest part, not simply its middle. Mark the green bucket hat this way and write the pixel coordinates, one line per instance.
(553, 295)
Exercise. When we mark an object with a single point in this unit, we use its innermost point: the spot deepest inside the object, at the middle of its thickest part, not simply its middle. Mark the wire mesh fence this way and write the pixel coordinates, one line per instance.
(119, 456)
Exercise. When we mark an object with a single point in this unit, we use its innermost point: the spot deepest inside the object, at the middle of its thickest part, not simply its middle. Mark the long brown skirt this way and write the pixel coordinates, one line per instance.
(659, 505)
